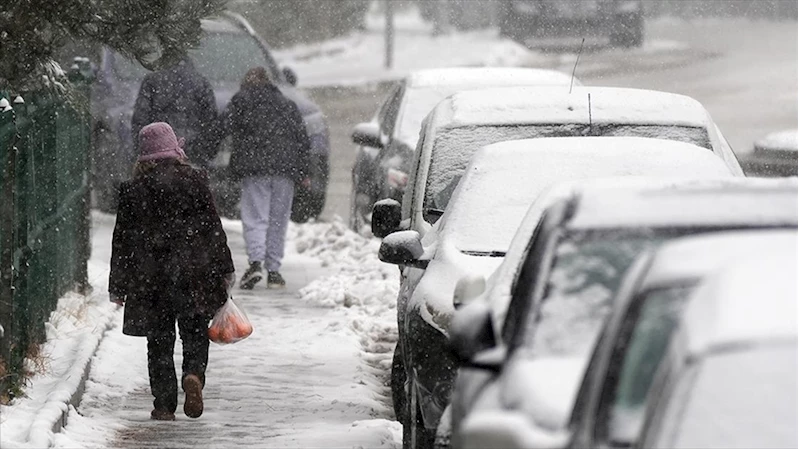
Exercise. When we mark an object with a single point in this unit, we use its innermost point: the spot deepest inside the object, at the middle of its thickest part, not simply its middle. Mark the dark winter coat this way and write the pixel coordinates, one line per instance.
(168, 238)
(182, 97)
(269, 136)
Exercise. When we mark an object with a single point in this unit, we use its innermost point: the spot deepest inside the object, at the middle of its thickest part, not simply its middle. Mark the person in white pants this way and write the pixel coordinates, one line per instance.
(270, 155)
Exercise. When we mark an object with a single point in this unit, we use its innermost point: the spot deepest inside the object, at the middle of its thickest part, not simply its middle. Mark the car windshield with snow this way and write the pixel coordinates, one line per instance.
(585, 238)
(386, 144)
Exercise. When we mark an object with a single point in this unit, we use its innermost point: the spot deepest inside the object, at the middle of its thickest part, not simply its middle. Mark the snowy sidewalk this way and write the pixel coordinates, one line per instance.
(301, 380)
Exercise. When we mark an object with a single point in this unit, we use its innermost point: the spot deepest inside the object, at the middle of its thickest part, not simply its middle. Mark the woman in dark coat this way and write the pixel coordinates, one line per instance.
(170, 261)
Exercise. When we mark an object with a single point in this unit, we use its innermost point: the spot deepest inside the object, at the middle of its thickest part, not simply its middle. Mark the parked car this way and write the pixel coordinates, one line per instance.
(729, 376)
(609, 406)
(466, 121)
(229, 48)
(386, 143)
(489, 202)
(621, 20)
(773, 155)
(577, 242)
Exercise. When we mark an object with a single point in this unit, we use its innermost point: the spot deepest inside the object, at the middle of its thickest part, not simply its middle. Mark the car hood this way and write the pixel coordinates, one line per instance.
(432, 298)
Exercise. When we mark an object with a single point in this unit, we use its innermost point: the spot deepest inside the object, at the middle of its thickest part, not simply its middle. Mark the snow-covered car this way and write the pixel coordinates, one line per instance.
(491, 199)
(229, 47)
(773, 155)
(386, 143)
(621, 20)
(466, 121)
(729, 377)
(554, 290)
(608, 408)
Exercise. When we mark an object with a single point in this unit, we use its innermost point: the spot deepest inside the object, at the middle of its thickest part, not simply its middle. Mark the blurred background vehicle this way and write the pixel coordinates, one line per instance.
(227, 50)
(773, 155)
(622, 21)
(729, 375)
(581, 243)
(497, 188)
(386, 143)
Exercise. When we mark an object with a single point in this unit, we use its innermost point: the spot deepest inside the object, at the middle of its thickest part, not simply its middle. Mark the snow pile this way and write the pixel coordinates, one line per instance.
(365, 288)
(73, 332)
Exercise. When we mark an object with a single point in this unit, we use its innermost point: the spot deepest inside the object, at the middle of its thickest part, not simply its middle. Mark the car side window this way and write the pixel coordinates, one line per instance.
(642, 342)
(529, 275)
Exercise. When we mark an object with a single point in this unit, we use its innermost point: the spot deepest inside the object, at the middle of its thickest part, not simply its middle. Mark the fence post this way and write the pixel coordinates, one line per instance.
(80, 75)
(8, 127)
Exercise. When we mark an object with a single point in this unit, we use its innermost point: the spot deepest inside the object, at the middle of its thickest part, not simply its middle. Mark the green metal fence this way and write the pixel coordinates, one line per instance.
(44, 214)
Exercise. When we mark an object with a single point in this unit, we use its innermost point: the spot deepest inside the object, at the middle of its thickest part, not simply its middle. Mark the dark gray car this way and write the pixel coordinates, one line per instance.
(228, 49)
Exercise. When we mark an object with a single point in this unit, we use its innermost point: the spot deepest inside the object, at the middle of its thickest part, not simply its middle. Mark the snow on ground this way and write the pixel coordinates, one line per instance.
(313, 374)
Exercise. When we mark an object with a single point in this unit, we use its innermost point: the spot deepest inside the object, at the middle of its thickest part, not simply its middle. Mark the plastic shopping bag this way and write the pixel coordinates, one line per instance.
(229, 325)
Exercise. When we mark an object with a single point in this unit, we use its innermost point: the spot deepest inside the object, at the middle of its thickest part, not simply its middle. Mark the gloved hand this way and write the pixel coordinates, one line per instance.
(229, 280)
(118, 300)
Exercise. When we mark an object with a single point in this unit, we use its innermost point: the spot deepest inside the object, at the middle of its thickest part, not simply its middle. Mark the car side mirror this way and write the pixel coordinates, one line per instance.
(468, 288)
(368, 135)
(402, 248)
(290, 75)
(471, 333)
(386, 217)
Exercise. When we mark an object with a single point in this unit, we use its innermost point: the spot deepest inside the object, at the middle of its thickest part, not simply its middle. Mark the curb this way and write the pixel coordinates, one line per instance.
(53, 416)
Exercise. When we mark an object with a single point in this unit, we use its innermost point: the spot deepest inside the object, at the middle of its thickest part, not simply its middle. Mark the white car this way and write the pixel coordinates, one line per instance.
(474, 233)
(466, 121)
(608, 407)
(549, 301)
(729, 378)
(773, 155)
(386, 143)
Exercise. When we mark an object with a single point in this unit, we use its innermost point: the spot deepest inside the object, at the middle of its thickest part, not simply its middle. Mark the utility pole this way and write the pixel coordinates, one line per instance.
(389, 34)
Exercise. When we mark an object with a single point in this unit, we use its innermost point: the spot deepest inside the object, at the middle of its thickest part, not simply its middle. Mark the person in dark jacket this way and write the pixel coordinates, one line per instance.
(180, 96)
(169, 261)
(270, 155)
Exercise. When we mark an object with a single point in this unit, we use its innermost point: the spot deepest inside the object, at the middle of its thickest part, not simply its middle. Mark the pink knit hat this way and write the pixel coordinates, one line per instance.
(158, 141)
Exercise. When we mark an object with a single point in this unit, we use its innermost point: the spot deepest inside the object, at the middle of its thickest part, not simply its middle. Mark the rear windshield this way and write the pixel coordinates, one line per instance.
(454, 147)
(222, 57)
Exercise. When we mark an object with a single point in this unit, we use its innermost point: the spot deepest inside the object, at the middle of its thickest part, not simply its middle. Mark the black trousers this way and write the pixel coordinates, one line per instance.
(160, 356)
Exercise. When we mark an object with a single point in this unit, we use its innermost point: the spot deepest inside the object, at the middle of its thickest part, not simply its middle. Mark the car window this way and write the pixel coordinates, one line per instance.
(220, 57)
(639, 348)
(454, 147)
(586, 272)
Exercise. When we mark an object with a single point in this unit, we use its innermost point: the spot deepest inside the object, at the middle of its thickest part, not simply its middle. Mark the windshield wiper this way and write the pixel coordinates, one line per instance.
(485, 253)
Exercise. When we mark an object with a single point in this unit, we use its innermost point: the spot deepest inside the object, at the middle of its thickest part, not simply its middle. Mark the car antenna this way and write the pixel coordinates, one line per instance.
(574, 70)
(590, 118)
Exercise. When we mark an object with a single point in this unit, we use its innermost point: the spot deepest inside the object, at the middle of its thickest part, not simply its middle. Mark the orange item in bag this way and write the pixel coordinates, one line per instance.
(229, 325)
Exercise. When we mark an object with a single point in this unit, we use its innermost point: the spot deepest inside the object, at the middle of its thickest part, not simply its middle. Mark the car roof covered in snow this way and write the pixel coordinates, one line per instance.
(778, 141)
(475, 77)
(778, 196)
(555, 105)
(223, 25)
(751, 300)
(502, 180)
(693, 257)
(738, 201)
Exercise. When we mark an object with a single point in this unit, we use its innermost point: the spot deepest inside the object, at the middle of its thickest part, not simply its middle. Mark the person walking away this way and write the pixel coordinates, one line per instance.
(169, 262)
(270, 155)
(179, 95)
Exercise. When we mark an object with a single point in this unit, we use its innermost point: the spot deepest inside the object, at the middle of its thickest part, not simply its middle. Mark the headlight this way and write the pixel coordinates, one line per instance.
(397, 179)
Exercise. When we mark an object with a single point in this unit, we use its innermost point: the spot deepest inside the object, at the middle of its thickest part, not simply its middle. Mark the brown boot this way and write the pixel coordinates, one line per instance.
(193, 387)
(159, 414)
